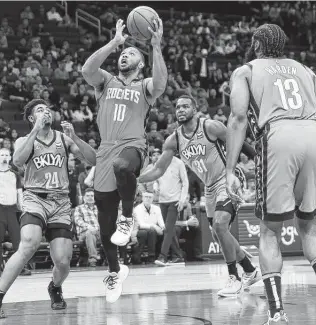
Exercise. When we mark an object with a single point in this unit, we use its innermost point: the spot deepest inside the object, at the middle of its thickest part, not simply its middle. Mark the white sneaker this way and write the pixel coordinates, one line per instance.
(114, 284)
(280, 317)
(233, 287)
(248, 279)
(124, 228)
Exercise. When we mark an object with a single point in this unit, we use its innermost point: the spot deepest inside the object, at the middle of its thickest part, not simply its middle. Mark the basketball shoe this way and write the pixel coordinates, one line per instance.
(280, 318)
(162, 261)
(248, 279)
(124, 228)
(232, 288)
(56, 297)
(114, 284)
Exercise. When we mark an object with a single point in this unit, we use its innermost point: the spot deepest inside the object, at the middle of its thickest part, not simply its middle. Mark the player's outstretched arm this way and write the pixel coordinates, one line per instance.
(237, 122)
(157, 84)
(91, 71)
(163, 162)
(217, 130)
(24, 146)
(78, 147)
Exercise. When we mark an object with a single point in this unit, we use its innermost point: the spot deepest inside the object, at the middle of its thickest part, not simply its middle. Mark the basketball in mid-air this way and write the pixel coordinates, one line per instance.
(139, 20)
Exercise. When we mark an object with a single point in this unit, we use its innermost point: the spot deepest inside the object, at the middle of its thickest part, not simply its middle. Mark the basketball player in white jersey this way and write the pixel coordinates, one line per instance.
(124, 101)
(277, 95)
(199, 142)
(46, 204)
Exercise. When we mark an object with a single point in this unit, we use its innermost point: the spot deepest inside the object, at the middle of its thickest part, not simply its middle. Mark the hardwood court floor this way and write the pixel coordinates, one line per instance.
(160, 296)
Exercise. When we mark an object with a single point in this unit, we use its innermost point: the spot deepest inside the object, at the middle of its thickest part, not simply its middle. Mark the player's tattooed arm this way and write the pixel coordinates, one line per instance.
(237, 122)
(170, 147)
(157, 84)
(91, 71)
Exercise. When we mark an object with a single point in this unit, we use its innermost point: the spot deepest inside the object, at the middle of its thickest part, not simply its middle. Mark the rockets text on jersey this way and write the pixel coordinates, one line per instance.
(122, 110)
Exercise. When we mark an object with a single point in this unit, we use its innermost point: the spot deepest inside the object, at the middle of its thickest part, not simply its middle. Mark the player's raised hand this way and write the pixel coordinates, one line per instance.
(156, 34)
(119, 38)
(41, 121)
(68, 129)
(233, 189)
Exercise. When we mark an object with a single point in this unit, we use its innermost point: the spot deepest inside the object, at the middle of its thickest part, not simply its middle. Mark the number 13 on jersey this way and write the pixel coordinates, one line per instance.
(289, 93)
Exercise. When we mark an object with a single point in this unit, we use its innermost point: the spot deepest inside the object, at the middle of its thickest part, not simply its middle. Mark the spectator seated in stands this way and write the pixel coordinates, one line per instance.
(24, 29)
(151, 225)
(188, 228)
(249, 194)
(3, 40)
(219, 116)
(5, 28)
(247, 165)
(87, 226)
(18, 93)
(60, 73)
(53, 15)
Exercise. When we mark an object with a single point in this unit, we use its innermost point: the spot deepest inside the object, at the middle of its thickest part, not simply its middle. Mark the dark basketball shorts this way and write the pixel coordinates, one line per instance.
(105, 180)
(216, 199)
(50, 211)
(286, 171)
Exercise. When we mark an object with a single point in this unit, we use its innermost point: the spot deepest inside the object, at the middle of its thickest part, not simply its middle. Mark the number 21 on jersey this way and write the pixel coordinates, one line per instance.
(289, 93)
(200, 165)
(52, 180)
(119, 112)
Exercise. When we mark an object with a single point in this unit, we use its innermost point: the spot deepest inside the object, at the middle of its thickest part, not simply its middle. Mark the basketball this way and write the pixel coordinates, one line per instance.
(139, 20)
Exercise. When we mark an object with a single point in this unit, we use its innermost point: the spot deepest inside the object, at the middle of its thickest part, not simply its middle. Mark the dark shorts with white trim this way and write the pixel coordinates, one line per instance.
(286, 171)
(50, 211)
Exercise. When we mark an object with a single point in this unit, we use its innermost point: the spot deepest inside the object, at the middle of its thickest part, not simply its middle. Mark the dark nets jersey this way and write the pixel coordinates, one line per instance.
(46, 170)
(280, 89)
(122, 110)
(203, 156)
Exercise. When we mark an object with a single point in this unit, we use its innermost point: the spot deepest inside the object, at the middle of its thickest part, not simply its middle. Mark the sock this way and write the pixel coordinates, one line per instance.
(55, 286)
(247, 265)
(2, 294)
(272, 285)
(232, 269)
(127, 185)
(314, 265)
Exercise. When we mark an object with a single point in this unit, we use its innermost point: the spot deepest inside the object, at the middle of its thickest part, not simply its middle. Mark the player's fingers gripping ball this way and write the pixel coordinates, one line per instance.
(140, 20)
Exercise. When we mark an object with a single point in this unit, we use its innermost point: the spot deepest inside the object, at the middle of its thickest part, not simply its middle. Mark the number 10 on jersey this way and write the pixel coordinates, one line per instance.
(119, 112)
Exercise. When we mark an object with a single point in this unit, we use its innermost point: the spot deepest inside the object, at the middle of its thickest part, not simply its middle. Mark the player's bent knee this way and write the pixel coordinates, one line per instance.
(221, 222)
(271, 228)
(220, 228)
(120, 166)
(31, 237)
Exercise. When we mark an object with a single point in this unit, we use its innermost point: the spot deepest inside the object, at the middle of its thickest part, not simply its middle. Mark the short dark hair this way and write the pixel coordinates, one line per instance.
(89, 189)
(272, 39)
(28, 108)
(193, 101)
(139, 51)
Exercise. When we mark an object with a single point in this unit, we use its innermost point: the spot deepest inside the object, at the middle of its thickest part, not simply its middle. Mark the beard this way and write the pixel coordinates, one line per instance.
(128, 68)
(251, 54)
(188, 119)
